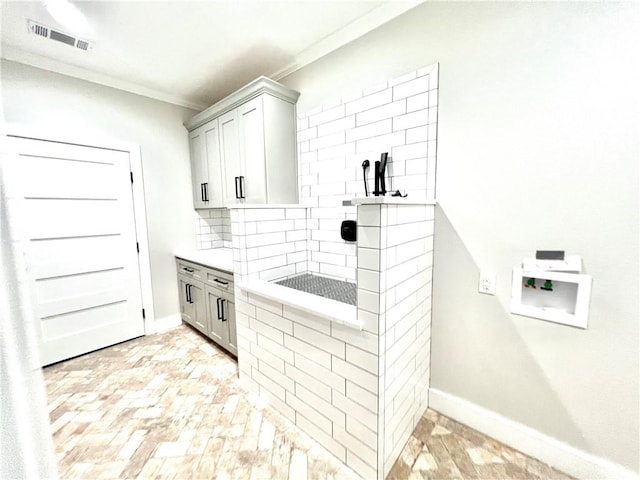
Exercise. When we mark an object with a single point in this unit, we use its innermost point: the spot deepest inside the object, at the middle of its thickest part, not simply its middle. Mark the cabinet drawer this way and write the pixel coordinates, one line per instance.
(219, 279)
(191, 270)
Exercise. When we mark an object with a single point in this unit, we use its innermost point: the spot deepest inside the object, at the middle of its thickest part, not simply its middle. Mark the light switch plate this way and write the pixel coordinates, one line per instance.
(487, 283)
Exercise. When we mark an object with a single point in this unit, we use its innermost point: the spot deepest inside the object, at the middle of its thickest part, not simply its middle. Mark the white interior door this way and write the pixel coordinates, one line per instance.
(83, 256)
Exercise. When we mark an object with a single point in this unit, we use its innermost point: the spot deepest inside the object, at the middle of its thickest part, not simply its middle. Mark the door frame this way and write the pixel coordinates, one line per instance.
(139, 206)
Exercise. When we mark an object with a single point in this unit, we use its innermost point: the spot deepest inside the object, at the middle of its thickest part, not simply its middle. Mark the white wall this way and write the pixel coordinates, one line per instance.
(537, 149)
(32, 96)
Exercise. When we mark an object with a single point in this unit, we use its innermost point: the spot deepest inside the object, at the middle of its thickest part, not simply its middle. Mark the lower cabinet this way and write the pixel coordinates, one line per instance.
(192, 303)
(207, 302)
(222, 318)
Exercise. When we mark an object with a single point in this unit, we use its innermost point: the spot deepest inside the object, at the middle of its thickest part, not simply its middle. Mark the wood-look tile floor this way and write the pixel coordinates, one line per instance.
(169, 406)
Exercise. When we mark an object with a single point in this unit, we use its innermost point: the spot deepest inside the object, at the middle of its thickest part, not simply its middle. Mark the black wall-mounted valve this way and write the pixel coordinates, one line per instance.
(348, 230)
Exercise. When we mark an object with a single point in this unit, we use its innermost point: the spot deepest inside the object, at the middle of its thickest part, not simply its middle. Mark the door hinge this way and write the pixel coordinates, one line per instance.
(131, 176)
(138, 247)
(143, 314)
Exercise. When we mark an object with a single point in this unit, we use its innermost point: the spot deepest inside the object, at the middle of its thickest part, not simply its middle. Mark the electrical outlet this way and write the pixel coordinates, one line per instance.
(487, 283)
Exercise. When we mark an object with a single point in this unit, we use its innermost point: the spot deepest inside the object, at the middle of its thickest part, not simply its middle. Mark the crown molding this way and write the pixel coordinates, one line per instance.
(356, 29)
(20, 56)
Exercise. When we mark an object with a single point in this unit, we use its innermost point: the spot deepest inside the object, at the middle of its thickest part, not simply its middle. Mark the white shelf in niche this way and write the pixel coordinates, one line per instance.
(567, 303)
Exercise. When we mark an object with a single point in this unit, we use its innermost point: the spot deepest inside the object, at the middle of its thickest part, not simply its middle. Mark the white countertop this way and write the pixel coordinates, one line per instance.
(315, 304)
(220, 258)
(248, 206)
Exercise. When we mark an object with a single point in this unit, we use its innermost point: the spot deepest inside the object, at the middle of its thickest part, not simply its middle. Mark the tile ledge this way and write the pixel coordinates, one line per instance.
(323, 307)
(390, 201)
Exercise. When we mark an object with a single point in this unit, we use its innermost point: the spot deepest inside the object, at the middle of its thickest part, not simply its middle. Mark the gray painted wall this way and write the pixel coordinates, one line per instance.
(44, 99)
(537, 149)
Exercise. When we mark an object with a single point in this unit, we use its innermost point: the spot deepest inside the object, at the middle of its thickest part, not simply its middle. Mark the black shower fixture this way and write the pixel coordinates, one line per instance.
(380, 168)
(365, 166)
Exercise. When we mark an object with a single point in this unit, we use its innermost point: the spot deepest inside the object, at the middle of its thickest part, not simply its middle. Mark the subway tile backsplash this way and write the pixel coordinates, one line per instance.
(213, 228)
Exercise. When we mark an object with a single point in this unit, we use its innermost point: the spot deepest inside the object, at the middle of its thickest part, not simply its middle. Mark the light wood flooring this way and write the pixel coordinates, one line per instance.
(170, 406)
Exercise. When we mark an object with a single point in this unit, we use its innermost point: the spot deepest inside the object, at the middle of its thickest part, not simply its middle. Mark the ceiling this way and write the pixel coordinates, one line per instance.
(190, 53)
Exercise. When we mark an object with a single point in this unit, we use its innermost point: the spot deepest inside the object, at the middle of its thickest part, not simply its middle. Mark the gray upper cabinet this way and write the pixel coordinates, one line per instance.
(243, 148)
(206, 166)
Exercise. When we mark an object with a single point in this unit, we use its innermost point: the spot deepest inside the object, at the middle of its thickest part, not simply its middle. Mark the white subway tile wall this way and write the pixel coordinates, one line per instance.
(399, 117)
(213, 228)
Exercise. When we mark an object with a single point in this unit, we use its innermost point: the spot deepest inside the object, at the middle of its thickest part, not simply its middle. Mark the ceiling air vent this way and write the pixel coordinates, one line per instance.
(47, 32)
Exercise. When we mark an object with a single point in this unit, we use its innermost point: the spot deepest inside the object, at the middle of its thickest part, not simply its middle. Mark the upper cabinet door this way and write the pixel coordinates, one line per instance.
(199, 170)
(252, 151)
(214, 189)
(230, 155)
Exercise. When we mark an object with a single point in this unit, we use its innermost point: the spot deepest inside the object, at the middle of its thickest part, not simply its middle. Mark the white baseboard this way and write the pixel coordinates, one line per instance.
(162, 324)
(547, 449)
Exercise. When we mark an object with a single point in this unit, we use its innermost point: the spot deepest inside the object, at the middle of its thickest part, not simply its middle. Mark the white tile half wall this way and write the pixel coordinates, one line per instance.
(358, 392)
(400, 117)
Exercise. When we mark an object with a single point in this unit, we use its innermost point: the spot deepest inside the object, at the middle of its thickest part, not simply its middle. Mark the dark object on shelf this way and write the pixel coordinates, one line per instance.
(531, 283)
(398, 194)
(365, 166)
(348, 230)
(380, 168)
(548, 286)
(549, 254)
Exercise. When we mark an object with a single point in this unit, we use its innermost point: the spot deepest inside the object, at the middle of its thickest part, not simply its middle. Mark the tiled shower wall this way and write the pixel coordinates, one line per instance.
(213, 228)
(399, 117)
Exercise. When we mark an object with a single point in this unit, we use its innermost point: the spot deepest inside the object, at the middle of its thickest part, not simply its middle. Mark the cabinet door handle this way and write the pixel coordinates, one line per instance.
(220, 282)
(241, 187)
(189, 297)
(187, 269)
(206, 192)
(202, 192)
(223, 316)
(219, 308)
(186, 293)
(237, 180)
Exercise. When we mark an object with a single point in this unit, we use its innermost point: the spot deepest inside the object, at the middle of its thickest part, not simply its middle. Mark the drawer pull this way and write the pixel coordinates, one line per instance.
(187, 269)
(220, 282)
